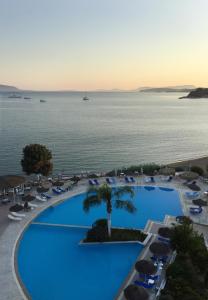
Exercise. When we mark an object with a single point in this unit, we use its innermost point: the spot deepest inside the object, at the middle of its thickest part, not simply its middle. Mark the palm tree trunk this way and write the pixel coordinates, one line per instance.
(109, 225)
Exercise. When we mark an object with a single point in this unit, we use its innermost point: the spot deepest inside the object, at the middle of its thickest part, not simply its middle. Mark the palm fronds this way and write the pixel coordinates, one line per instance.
(90, 201)
(123, 191)
(125, 204)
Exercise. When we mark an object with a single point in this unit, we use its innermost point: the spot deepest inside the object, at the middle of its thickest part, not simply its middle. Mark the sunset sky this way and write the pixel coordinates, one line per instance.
(103, 44)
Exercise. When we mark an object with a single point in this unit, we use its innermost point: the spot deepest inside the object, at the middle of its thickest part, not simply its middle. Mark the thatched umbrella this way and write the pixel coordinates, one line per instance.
(189, 175)
(165, 232)
(28, 198)
(134, 292)
(183, 219)
(76, 178)
(199, 202)
(194, 187)
(16, 208)
(42, 189)
(159, 249)
(145, 267)
(10, 181)
(167, 171)
(58, 183)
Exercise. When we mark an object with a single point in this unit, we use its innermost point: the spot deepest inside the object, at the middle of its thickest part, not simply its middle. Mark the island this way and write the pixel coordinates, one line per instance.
(169, 89)
(197, 94)
(8, 88)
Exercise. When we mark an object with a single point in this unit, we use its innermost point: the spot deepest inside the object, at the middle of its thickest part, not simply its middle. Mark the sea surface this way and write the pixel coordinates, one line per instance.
(109, 131)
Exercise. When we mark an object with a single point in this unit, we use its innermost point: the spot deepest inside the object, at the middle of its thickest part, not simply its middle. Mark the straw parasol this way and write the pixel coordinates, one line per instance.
(145, 267)
(194, 187)
(188, 175)
(165, 232)
(11, 181)
(134, 292)
(75, 178)
(58, 183)
(159, 249)
(200, 202)
(28, 198)
(16, 208)
(42, 189)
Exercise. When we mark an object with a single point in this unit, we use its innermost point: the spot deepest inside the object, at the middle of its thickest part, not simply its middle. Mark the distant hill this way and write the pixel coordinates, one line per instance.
(8, 88)
(197, 94)
(169, 89)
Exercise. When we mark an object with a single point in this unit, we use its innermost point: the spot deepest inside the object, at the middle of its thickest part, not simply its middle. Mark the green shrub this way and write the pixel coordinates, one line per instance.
(197, 170)
(99, 233)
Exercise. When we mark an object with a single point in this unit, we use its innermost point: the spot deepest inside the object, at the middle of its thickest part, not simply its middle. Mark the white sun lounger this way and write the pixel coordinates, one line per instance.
(32, 205)
(40, 199)
(13, 218)
(17, 214)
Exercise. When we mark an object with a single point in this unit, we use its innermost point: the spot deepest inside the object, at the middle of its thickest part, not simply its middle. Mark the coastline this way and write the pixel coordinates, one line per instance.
(201, 162)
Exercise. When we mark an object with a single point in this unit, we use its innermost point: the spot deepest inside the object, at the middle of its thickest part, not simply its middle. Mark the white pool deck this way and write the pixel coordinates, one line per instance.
(9, 285)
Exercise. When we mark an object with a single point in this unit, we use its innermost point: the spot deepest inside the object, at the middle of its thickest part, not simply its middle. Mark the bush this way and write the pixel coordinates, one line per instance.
(197, 170)
(187, 276)
(99, 233)
(148, 169)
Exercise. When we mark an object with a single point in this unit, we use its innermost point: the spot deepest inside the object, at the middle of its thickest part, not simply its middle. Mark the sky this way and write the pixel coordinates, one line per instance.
(103, 44)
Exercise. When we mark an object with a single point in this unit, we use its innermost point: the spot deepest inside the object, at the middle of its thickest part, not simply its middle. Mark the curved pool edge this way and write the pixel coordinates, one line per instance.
(16, 276)
(22, 289)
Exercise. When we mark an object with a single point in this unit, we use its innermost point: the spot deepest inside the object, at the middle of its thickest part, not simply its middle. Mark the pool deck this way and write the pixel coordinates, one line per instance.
(10, 232)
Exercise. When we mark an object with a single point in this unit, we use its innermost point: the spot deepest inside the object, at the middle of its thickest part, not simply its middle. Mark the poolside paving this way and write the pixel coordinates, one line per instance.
(9, 232)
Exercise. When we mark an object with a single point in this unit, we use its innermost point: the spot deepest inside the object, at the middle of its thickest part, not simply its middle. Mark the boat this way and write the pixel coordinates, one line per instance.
(27, 98)
(42, 101)
(15, 96)
(85, 98)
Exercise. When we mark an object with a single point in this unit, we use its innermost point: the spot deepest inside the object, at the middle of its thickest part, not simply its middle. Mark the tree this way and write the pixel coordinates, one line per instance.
(37, 159)
(111, 197)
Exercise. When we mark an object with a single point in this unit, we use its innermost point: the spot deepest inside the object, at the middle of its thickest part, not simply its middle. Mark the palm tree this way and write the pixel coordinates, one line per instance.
(111, 197)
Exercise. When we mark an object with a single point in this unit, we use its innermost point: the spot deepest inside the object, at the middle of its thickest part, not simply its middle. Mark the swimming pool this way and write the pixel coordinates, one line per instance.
(53, 266)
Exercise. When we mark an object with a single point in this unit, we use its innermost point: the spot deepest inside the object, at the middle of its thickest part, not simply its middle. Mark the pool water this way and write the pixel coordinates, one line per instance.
(53, 266)
(151, 203)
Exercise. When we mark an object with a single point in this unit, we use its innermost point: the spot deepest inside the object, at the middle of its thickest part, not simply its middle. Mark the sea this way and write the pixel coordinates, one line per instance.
(111, 130)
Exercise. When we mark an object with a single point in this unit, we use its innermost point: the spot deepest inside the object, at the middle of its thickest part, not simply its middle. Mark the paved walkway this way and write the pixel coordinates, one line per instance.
(9, 232)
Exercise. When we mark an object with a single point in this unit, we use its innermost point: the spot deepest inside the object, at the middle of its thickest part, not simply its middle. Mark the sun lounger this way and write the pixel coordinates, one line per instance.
(127, 179)
(61, 189)
(46, 195)
(192, 195)
(56, 191)
(110, 180)
(132, 179)
(144, 284)
(96, 182)
(195, 210)
(163, 240)
(152, 179)
(13, 218)
(147, 179)
(92, 182)
(32, 205)
(5, 201)
(40, 199)
(15, 214)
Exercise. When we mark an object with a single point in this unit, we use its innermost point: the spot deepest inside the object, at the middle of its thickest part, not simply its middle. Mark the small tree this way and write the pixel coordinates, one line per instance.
(37, 160)
(105, 194)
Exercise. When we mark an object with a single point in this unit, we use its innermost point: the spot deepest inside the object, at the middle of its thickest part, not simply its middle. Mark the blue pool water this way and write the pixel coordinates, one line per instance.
(53, 266)
(151, 203)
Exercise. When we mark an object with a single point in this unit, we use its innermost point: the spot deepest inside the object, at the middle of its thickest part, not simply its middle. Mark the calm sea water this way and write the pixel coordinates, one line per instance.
(111, 130)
